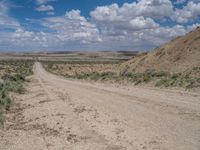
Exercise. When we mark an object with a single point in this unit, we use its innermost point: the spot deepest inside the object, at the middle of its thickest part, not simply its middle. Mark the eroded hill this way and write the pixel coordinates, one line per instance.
(181, 54)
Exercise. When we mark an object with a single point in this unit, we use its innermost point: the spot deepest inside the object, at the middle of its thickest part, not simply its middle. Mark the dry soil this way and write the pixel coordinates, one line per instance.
(60, 114)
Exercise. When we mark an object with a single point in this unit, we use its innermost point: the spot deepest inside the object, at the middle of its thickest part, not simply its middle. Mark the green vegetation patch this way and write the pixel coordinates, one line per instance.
(187, 79)
(145, 77)
(161, 78)
(12, 79)
(93, 76)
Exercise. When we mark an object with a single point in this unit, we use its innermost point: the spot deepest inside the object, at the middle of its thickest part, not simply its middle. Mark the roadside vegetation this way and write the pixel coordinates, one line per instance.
(12, 77)
(188, 79)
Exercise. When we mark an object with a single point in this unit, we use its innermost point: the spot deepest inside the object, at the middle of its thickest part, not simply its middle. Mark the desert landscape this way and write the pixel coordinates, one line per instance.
(102, 100)
(100, 75)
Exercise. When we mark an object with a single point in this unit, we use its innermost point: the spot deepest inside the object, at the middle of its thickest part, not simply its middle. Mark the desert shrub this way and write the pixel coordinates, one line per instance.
(162, 82)
(4, 100)
(107, 75)
(187, 79)
(81, 75)
(14, 83)
(197, 38)
(160, 74)
(1, 118)
(184, 80)
(14, 86)
(175, 76)
(50, 65)
(94, 76)
(128, 74)
(193, 83)
(147, 78)
(15, 77)
(12, 80)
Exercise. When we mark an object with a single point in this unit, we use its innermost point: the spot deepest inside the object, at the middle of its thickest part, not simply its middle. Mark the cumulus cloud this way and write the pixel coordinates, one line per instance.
(140, 23)
(161, 35)
(145, 8)
(17, 40)
(130, 17)
(73, 27)
(132, 26)
(187, 13)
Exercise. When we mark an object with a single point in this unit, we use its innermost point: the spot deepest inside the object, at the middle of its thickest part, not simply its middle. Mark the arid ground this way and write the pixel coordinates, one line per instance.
(57, 113)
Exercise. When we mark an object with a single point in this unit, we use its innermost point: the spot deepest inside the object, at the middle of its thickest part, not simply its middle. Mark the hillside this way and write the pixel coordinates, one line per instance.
(181, 54)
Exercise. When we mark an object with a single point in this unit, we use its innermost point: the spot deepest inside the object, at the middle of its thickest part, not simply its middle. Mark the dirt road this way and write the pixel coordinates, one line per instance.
(59, 114)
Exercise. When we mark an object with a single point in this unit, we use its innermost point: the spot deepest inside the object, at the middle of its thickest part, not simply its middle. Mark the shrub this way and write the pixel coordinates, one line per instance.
(50, 65)
(163, 82)
(1, 118)
(160, 74)
(16, 77)
(147, 78)
(128, 75)
(107, 75)
(5, 100)
(175, 76)
(14, 86)
(94, 76)
(13, 79)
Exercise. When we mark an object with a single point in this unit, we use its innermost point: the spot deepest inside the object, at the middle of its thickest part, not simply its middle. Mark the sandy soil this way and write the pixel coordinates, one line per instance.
(59, 114)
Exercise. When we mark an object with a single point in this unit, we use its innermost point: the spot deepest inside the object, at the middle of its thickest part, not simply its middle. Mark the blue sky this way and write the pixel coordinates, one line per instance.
(42, 25)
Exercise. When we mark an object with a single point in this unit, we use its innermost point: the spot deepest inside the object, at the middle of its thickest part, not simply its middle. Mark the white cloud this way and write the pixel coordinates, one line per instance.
(20, 33)
(45, 8)
(21, 40)
(130, 17)
(44, 1)
(133, 26)
(188, 13)
(140, 23)
(161, 35)
(73, 27)
(154, 8)
(5, 20)
(145, 8)
(50, 13)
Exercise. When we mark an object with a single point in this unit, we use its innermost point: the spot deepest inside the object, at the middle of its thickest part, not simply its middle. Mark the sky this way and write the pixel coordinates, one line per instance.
(67, 25)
